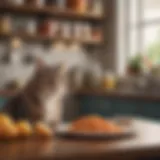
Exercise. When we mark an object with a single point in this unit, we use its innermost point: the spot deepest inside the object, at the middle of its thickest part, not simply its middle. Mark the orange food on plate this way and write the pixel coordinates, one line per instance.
(94, 124)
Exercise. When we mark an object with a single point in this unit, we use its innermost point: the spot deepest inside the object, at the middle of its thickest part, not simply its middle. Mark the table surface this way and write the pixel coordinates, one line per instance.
(146, 143)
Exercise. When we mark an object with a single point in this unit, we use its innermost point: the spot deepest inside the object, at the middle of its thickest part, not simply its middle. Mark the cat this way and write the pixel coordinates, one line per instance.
(41, 99)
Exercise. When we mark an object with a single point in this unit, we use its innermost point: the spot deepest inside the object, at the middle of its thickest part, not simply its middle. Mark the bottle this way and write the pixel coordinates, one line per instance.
(97, 7)
(5, 26)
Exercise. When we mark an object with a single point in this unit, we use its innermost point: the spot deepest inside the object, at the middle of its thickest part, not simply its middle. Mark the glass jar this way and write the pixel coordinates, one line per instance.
(16, 2)
(5, 24)
(38, 3)
(78, 5)
(87, 31)
(66, 30)
(78, 30)
(45, 28)
(96, 33)
(51, 2)
(109, 81)
(61, 4)
(97, 7)
(31, 26)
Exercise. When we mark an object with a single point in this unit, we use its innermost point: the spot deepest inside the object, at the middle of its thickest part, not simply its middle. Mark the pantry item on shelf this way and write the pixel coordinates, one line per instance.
(46, 28)
(20, 25)
(51, 3)
(61, 4)
(78, 5)
(42, 130)
(96, 33)
(87, 31)
(38, 3)
(16, 2)
(97, 7)
(110, 81)
(78, 30)
(5, 24)
(24, 128)
(31, 27)
(55, 28)
(66, 30)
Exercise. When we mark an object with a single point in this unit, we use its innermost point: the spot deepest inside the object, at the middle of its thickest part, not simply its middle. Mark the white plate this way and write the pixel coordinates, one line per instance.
(63, 131)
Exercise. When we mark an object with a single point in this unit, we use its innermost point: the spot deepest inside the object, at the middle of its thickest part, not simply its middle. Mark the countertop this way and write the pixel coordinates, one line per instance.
(116, 93)
(144, 144)
(122, 94)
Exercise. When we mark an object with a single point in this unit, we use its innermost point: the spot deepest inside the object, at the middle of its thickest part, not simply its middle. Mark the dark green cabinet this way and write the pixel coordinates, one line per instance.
(107, 107)
(93, 105)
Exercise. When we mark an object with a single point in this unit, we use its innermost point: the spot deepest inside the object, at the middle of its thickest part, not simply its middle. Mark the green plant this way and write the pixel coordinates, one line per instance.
(136, 63)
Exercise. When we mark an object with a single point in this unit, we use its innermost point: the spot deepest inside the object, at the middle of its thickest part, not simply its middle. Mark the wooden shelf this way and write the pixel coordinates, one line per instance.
(51, 11)
(29, 37)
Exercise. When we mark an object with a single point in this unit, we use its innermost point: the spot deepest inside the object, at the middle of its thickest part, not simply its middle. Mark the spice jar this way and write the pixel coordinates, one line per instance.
(78, 30)
(110, 81)
(66, 30)
(5, 24)
(45, 28)
(87, 31)
(78, 5)
(51, 2)
(96, 33)
(16, 2)
(38, 3)
(61, 4)
(97, 7)
(31, 26)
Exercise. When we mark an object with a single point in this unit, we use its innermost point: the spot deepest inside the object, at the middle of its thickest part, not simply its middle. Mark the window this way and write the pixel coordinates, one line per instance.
(144, 27)
(141, 29)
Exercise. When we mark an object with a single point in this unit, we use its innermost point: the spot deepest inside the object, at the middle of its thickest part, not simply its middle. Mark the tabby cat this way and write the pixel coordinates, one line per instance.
(42, 98)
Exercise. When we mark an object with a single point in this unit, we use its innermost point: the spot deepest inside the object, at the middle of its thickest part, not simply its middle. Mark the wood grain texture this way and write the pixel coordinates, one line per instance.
(51, 11)
(146, 144)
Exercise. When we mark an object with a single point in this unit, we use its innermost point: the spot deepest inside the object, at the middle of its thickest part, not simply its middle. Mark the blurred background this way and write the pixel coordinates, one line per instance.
(112, 45)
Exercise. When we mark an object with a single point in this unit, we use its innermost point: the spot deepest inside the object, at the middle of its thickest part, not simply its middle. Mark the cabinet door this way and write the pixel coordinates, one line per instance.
(150, 110)
(123, 107)
(95, 105)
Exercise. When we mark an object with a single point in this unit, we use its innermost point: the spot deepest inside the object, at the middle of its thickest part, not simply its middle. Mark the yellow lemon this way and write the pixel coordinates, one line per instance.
(42, 129)
(24, 128)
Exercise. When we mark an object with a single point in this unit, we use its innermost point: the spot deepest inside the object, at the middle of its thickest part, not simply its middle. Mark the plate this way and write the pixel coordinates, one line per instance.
(63, 131)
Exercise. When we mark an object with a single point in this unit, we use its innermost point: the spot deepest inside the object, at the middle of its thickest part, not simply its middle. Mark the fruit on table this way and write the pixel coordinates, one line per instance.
(7, 127)
(43, 130)
(24, 128)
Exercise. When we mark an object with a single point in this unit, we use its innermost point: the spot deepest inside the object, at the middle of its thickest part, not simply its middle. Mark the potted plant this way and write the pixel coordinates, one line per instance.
(135, 65)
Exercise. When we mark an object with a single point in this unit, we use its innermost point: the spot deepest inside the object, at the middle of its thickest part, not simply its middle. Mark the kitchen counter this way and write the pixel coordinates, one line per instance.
(122, 93)
(144, 144)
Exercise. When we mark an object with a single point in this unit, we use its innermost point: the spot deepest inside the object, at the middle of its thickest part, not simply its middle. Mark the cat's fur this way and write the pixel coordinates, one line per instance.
(41, 99)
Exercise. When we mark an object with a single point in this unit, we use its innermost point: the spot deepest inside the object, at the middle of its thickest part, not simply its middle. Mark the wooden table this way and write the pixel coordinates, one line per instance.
(146, 144)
